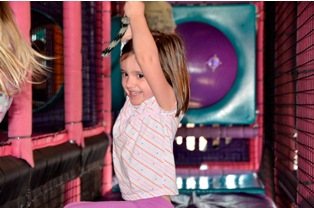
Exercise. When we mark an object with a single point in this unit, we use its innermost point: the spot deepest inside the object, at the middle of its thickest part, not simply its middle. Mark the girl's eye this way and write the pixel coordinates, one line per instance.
(140, 75)
(124, 74)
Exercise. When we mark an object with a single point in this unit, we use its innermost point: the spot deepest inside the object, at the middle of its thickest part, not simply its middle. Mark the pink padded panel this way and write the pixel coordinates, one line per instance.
(20, 113)
(72, 28)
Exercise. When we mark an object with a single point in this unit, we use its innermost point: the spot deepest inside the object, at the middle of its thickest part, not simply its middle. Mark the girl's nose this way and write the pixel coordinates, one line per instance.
(130, 82)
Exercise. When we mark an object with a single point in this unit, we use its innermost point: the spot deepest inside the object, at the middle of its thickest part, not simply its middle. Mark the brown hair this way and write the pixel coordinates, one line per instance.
(172, 57)
(18, 60)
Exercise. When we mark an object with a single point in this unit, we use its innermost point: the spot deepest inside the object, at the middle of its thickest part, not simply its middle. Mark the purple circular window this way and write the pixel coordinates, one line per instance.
(212, 62)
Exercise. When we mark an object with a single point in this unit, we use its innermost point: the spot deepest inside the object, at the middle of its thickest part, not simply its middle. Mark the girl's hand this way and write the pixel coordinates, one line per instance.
(134, 8)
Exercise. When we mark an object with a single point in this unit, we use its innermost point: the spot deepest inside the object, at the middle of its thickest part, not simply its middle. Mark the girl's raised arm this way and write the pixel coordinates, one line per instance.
(146, 53)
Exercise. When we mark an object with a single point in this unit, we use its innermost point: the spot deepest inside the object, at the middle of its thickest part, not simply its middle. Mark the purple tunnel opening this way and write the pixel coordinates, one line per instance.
(212, 62)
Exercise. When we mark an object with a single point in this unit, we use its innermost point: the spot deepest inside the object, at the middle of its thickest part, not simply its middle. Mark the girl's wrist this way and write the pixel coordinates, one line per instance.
(135, 17)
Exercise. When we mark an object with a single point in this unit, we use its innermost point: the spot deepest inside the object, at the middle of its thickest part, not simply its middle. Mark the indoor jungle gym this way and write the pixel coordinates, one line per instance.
(246, 140)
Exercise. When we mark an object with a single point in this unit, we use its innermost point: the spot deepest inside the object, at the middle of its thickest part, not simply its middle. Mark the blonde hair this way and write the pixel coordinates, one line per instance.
(171, 51)
(18, 60)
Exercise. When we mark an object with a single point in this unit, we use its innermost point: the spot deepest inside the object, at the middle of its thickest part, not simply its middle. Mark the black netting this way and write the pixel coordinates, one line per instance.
(289, 101)
(47, 38)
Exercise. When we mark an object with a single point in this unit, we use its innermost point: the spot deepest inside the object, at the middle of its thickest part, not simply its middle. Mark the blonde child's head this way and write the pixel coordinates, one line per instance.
(172, 58)
(19, 62)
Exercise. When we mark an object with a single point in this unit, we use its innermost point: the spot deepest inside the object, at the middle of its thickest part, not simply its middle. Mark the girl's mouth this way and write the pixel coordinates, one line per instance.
(134, 92)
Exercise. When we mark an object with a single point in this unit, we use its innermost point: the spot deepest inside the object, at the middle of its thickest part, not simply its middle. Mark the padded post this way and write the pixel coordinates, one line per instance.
(72, 27)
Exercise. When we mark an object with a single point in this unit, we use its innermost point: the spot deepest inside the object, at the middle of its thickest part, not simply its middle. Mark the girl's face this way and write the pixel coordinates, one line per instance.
(133, 81)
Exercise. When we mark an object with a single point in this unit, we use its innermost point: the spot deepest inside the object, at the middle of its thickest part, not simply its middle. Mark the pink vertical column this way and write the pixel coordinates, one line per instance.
(106, 62)
(104, 85)
(72, 30)
(260, 81)
(20, 113)
(106, 67)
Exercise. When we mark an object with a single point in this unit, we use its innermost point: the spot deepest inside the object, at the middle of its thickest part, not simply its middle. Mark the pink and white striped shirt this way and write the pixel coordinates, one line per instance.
(143, 150)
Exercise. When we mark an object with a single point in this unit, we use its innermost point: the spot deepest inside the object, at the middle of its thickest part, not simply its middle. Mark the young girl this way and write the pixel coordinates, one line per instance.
(155, 80)
(18, 60)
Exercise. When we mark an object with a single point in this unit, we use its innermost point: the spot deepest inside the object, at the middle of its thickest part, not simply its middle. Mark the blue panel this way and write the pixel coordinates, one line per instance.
(221, 183)
(235, 24)
(216, 183)
(117, 92)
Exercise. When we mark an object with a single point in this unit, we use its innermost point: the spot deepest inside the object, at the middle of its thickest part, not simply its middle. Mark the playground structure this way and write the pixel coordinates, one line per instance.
(55, 148)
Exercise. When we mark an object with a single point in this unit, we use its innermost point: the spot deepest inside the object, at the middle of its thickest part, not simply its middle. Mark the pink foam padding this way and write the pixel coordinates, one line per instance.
(23, 148)
(260, 81)
(43, 141)
(72, 29)
(106, 36)
(104, 68)
(57, 138)
(93, 131)
(107, 173)
(73, 191)
(20, 113)
(106, 63)
(107, 103)
(5, 150)
(103, 65)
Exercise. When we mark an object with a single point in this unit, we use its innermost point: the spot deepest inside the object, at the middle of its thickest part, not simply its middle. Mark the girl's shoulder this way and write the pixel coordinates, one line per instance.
(148, 107)
(151, 106)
